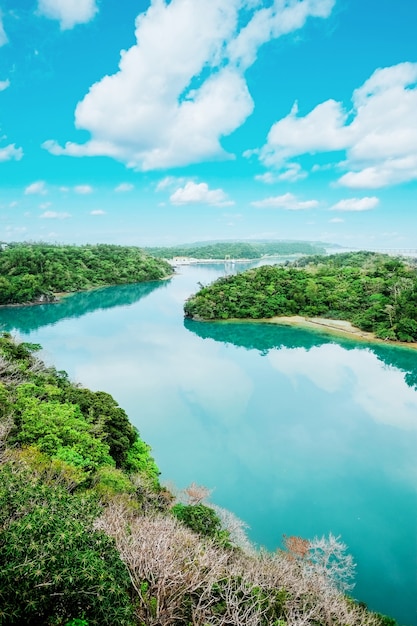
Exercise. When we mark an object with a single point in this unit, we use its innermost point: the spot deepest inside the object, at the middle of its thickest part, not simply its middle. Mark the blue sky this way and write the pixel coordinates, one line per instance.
(155, 123)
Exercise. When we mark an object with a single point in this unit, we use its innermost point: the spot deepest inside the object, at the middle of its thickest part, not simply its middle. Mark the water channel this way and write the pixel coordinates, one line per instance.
(296, 432)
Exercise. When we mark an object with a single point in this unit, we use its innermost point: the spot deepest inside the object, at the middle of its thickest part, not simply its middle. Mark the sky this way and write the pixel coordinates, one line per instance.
(162, 122)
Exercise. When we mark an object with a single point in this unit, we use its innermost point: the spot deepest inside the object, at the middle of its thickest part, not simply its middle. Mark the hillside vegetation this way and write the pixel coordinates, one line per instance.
(374, 292)
(89, 536)
(35, 272)
(237, 250)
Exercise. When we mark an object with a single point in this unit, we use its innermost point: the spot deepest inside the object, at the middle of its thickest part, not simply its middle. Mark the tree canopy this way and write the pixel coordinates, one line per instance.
(237, 250)
(31, 272)
(374, 292)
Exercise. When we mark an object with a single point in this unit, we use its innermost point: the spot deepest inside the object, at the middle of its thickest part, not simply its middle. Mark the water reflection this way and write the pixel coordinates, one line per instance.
(269, 337)
(28, 318)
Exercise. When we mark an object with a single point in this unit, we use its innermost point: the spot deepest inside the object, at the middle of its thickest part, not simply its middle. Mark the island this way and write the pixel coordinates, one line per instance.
(362, 293)
(236, 250)
(35, 273)
(88, 535)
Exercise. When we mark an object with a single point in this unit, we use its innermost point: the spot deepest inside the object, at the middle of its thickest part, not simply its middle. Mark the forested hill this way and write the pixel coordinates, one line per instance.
(374, 292)
(237, 250)
(31, 272)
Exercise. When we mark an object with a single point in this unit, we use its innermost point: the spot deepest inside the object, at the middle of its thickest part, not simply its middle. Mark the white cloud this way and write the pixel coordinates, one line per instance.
(293, 173)
(199, 193)
(124, 187)
(68, 12)
(169, 182)
(4, 84)
(98, 212)
(39, 187)
(356, 204)
(45, 205)
(54, 215)
(83, 189)
(336, 220)
(287, 201)
(3, 36)
(180, 89)
(10, 152)
(380, 142)
(272, 22)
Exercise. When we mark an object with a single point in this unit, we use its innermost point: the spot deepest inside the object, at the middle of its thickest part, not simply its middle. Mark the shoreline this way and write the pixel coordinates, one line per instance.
(61, 295)
(341, 328)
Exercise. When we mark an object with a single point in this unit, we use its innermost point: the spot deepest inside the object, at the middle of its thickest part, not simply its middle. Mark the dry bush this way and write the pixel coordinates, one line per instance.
(167, 563)
(195, 494)
(181, 578)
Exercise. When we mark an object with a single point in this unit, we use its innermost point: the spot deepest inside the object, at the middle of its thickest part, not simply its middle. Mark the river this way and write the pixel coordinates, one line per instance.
(297, 432)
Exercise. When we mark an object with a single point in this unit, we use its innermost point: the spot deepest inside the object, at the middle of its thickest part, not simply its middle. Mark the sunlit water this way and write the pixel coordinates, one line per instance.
(298, 433)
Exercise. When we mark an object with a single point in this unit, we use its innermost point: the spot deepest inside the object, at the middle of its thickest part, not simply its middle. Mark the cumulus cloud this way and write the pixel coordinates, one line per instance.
(380, 142)
(4, 84)
(39, 187)
(124, 187)
(287, 201)
(199, 193)
(10, 152)
(68, 12)
(98, 212)
(181, 88)
(356, 204)
(54, 215)
(83, 189)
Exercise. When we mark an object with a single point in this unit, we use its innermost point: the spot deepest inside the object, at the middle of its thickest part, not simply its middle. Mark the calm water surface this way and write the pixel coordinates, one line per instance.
(296, 432)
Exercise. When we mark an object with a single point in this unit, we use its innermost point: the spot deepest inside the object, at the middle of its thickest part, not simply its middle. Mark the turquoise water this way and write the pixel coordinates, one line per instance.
(296, 432)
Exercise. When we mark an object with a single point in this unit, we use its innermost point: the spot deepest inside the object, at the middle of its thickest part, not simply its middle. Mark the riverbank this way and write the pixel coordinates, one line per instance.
(329, 326)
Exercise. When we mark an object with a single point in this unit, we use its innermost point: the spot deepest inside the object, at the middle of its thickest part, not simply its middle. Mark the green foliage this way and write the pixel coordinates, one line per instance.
(109, 481)
(201, 519)
(373, 291)
(53, 563)
(58, 429)
(139, 460)
(237, 250)
(110, 421)
(35, 272)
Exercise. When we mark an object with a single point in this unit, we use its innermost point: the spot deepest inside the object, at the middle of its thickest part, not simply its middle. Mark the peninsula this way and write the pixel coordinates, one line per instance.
(354, 293)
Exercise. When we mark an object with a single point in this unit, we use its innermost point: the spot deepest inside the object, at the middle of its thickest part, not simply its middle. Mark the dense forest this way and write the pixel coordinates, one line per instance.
(374, 292)
(89, 536)
(35, 272)
(237, 250)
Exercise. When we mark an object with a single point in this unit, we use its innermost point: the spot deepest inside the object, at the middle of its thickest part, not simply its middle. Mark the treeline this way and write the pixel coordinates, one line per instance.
(31, 272)
(89, 537)
(237, 250)
(374, 292)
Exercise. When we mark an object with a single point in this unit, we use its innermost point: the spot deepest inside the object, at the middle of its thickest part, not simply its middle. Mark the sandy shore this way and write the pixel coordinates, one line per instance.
(335, 327)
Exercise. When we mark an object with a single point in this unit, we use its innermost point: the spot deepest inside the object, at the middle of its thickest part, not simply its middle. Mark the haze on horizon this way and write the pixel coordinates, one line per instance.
(156, 123)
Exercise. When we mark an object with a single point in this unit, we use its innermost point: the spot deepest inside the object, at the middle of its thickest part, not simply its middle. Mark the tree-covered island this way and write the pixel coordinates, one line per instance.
(237, 250)
(375, 292)
(35, 272)
(88, 536)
